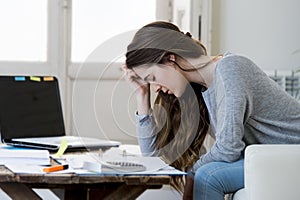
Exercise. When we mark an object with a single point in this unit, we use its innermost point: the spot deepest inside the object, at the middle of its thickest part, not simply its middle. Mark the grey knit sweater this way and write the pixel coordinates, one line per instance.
(245, 107)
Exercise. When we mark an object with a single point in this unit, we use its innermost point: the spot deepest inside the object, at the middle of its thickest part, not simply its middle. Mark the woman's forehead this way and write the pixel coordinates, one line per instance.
(143, 70)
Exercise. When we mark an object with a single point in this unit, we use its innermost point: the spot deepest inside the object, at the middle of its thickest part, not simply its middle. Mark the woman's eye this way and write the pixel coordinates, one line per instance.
(150, 78)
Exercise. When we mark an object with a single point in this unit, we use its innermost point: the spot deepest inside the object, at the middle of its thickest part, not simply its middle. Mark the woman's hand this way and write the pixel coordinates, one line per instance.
(142, 89)
(188, 188)
(135, 81)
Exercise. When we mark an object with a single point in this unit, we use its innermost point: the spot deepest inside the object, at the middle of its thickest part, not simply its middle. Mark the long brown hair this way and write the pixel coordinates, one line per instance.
(182, 123)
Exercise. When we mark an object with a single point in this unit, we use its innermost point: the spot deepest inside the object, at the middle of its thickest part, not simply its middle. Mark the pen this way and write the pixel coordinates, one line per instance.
(55, 168)
(59, 161)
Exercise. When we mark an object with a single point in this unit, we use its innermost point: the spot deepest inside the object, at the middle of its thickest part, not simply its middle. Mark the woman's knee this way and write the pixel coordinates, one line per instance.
(206, 176)
(220, 176)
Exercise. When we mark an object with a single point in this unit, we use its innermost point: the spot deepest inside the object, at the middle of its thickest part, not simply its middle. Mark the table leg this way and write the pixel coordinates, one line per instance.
(74, 194)
(108, 192)
(126, 192)
(19, 191)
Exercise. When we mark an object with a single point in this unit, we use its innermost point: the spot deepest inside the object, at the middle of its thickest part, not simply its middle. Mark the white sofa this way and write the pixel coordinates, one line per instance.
(272, 172)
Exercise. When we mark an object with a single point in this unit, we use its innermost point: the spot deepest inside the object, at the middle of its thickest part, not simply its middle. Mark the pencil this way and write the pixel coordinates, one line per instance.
(55, 168)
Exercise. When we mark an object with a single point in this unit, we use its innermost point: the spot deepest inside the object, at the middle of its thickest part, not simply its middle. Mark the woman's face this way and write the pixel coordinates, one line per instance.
(163, 78)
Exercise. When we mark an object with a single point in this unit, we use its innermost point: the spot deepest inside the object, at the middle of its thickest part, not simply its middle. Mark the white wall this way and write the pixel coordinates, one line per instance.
(266, 30)
(104, 109)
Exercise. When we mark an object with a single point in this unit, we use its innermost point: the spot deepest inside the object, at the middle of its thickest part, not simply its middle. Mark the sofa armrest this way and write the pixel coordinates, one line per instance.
(272, 172)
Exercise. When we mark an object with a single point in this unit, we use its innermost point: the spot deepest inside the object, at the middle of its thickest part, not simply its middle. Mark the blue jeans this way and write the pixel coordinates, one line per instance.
(213, 180)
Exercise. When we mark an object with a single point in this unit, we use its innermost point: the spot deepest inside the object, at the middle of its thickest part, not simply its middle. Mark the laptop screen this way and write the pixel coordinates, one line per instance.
(30, 107)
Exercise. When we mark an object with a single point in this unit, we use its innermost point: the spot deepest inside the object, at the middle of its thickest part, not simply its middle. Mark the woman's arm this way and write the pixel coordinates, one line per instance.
(144, 119)
(146, 131)
(230, 107)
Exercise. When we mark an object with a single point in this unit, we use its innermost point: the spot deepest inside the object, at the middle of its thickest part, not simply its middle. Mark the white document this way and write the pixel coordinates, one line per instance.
(91, 163)
(21, 157)
(25, 169)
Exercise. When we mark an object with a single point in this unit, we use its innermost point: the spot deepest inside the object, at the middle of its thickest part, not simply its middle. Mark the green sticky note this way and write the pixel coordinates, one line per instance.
(62, 148)
(35, 78)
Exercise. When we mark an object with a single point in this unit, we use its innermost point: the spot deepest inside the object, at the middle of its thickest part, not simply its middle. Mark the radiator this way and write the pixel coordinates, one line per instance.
(291, 84)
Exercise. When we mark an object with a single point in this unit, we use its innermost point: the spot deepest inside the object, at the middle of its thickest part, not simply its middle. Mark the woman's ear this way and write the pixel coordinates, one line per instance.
(171, 58)
(171, 61)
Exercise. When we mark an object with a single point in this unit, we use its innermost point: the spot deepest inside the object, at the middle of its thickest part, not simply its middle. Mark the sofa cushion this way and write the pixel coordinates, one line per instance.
(272, 172)
(240, 195)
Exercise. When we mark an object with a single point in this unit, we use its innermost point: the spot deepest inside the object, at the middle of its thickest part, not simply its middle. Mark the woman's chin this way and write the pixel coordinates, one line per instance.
(178, 94)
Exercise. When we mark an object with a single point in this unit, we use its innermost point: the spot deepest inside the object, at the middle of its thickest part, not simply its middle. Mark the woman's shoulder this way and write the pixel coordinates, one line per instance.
(234, 59)
(236, 63)
(237, 71)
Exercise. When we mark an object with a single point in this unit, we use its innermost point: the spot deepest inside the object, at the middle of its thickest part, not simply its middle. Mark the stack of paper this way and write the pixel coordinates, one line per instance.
(91, 163)
(21, 157)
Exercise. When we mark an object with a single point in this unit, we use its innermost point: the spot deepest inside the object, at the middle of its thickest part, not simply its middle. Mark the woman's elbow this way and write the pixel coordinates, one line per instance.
(232, 157)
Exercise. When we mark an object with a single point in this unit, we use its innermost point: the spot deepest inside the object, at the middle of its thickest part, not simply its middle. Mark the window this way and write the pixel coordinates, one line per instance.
(23, 34)
(94, 22)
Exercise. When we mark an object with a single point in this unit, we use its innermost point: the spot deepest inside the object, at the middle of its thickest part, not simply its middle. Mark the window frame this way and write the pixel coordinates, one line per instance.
(92, 70)
(56, 60)
(54, 44)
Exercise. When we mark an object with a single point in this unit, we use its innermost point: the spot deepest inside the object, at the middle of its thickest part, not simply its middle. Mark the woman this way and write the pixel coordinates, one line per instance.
(227, 96)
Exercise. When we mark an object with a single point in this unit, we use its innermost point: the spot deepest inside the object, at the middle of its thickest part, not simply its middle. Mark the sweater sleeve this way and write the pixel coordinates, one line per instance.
(146, 134)
(229, 144)
(231, 109)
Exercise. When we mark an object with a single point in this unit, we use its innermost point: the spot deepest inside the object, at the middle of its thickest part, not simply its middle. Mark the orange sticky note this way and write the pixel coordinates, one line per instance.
(34, 78)
(48, 78)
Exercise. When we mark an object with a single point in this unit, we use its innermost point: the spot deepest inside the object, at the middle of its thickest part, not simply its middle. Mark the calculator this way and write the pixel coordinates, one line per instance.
(113, 166)
(125, 166)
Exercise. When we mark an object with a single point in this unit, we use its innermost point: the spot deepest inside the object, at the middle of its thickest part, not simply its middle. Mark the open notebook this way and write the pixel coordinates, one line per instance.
(31, 115)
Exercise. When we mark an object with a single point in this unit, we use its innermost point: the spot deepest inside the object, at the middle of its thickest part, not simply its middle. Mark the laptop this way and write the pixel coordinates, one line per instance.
(31, 115)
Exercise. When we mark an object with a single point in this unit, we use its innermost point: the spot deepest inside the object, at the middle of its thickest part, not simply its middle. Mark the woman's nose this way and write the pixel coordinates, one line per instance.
(156, 87)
